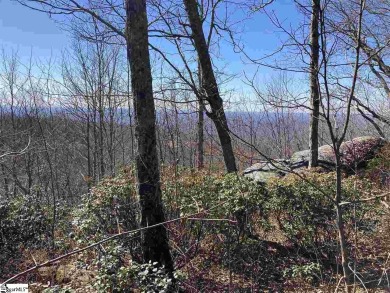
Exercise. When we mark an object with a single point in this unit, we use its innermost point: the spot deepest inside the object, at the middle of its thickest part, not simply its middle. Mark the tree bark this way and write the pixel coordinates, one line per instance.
(154, 241)
(314, 85)
(200, 143)
(210, 85)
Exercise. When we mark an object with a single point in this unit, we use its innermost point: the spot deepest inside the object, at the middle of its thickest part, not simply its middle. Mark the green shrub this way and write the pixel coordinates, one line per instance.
(217, 197)
(378, 168)
(221, 195)
(306, 212)
(303, 208)
(23, 223)
(110, 207)
(118, 275)
(308, 272)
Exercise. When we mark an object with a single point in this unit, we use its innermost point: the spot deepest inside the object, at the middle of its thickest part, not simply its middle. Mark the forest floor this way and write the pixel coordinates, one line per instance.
(212, 252)
(209, 271)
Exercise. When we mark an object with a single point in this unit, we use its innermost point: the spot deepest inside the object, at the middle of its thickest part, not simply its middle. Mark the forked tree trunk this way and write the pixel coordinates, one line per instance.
(314, 86)
(154, 241)
(210, 85)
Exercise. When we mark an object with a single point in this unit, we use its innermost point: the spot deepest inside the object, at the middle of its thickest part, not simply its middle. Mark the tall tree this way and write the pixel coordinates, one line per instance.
(210, 85)
(314, 85)
(155, 240)
(200, 142)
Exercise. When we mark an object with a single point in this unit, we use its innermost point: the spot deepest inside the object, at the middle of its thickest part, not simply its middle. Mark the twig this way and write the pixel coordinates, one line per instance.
(33, 258)
(365, 199)
(385, 204)
(338, 284)
(17, 153)
(204, 219)
(384, 271)
(356, 275)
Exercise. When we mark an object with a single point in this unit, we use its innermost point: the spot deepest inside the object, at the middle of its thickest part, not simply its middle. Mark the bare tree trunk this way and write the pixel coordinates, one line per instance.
(340, 224)
(95, 140)
(337, 140)
(101, 126)
(200, 143)
(132, 136)
(88, 139)
(154, 241)
(314, 86)
(210, 85)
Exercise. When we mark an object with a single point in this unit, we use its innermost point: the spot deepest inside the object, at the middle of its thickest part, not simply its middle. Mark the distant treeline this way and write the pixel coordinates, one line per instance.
(69, 150)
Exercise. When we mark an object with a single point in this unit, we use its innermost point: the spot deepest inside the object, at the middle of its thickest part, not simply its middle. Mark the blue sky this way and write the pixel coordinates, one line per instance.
(34, 33)
(29, 32)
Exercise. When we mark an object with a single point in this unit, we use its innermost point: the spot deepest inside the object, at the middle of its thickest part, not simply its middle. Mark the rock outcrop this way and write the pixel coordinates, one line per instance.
(265, 170)
(355, 154)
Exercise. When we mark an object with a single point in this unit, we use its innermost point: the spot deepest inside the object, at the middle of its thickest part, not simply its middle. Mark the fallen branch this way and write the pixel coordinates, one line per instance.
(213, 220)
(365, 199)
(54, 260)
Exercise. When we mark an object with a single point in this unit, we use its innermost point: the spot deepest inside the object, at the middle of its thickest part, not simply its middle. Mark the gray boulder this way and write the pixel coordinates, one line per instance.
(355, 153)
(265, 170)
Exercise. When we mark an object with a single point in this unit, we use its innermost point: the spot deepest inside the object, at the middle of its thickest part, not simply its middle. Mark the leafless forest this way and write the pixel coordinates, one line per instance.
(140, 132)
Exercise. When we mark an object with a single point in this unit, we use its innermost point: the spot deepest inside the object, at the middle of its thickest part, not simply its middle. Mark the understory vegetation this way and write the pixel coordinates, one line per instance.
(195, 146)
(227, 233)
